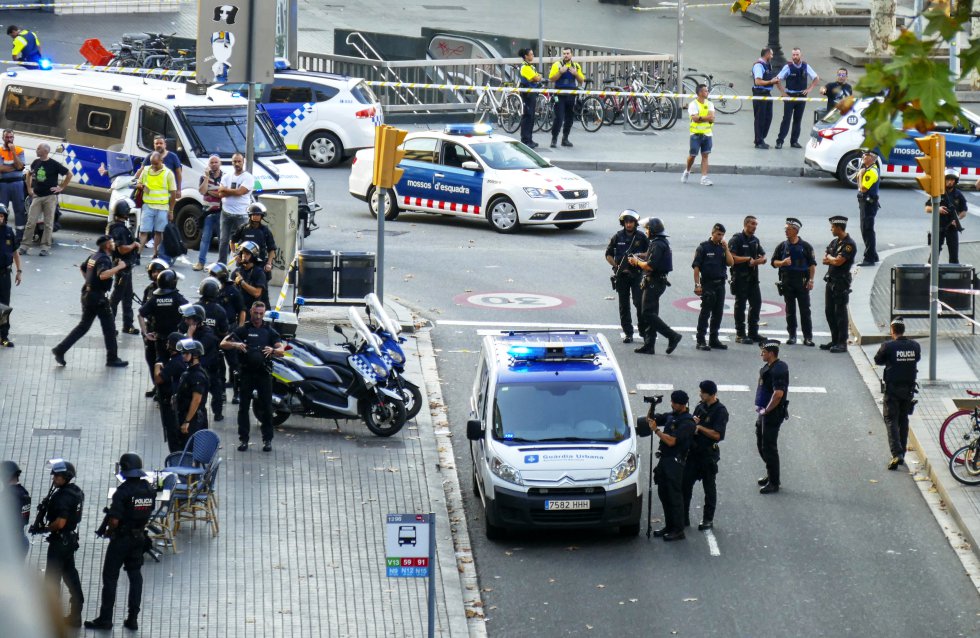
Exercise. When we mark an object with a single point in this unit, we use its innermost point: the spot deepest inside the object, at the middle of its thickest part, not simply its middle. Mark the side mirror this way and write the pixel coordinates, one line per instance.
(474, 429)
(643, 427)
(339, 330)
(976, 130)
(472, 166)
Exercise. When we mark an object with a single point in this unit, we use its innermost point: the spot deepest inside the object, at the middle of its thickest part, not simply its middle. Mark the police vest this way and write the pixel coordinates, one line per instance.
(138, 503)
(702, 128)
(798, 253)
(526, 83)
(743, 245)
(8, 244)
(900, 368)
(710, 259)
(766, 75)
(94, 265)
(796, 78)
(122, 236)
(873, 189)
(664, 262)
(74, 499)
(568, 79)
(30, 50)
(628, 244)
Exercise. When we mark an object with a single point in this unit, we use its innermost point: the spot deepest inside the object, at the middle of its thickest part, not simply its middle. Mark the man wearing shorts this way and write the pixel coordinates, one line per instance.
(159, 188)
(702, 114)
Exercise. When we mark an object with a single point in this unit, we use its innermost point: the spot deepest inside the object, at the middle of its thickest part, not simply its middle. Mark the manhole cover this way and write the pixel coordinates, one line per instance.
(72, 433)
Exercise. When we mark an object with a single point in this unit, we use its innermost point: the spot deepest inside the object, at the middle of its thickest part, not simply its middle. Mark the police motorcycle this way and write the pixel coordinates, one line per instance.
(339, 384)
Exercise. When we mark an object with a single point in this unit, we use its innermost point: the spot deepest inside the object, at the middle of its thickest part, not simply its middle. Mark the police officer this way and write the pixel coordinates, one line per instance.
(763, 79)
(98, 272)
(230, 298)
(63, 514)
(26, 46)
(747, 255)
(656, 263)
(249, 277)
(675, 431)
(952, 208)
(771, 405)
(711, 261)
(899, 356)
(191, 398)
(254, 230)
(19, 497)
(626, 277)
(127, 516)
(255, 342)
(163, 309)
(868, 180)
(153, 269)
(710, 421)
(216, 319)
(797, 264)
(8, 257)
(566, 74)
(166, 375)
(529, 79)
(127, 250)
(838, 259)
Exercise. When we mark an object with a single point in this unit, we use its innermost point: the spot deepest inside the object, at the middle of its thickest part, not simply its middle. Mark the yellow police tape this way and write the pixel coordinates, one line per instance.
(62, 5)
(673, 7)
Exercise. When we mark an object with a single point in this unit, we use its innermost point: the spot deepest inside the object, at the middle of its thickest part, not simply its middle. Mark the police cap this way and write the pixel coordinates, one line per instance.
(679, 397)
(771, 345)
(794, 222)
(131, 466)
(839, 220)
(9, 470)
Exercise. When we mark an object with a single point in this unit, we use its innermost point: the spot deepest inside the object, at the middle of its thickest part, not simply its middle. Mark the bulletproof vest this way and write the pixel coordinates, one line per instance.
(193, 374)
(138, 508)
(248, 233)
(901, 366)
(206, 336)
(796, 78)
(627, 244)
(120, 232)
(683, 444)
(766, 75)
(743, 245)
(212, 311)
(713, 264)
(665, 259)
(527, 84)
(166, 314)
(8, 245)
(74, 493)
(567, 80)
(92, 280)
(225, 296)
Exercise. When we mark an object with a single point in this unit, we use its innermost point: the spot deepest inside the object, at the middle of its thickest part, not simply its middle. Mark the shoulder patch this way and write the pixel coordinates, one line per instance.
(848, 248)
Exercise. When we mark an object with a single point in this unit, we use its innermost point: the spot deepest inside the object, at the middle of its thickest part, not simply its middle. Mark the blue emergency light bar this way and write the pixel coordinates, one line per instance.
(468, 129)
(281, 64)
(554, 352)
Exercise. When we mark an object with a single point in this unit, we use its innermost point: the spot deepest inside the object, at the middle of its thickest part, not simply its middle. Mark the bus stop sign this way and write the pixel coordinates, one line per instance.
(407, 545)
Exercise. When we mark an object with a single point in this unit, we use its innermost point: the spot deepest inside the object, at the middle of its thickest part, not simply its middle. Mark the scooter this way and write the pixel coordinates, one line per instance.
(348, 384)
(388, 331)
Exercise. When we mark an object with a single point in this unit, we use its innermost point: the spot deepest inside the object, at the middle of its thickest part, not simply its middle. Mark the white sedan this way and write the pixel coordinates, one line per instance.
(469, 172)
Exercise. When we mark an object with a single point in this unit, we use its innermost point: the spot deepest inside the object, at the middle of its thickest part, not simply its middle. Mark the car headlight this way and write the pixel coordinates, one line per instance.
(505, 472)
(540, 193)
(624, 470)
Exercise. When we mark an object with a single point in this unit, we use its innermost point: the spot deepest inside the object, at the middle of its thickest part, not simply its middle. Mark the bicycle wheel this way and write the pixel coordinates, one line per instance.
(725, 99)
(482, 108)
(593, 114)
(956, 431)
(964, 465)
(637, 113)
(609, 111)
(661, 113)
(510, 112)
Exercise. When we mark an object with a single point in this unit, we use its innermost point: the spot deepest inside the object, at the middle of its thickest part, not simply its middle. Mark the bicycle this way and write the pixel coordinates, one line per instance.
(544, 111)
(632, 108)
(964, 464)
(720, 92)
(662, 113)
(507, 109)
(959, 428)
(589, 110)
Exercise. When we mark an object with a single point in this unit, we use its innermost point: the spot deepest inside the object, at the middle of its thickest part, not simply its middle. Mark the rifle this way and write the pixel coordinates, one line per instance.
(39, 526)
(103, 531)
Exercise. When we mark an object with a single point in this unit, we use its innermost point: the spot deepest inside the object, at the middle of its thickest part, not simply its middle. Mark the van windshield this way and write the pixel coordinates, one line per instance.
(221, 130)
(560, 411)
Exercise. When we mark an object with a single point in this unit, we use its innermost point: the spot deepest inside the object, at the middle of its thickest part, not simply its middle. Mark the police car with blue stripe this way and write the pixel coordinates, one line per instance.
(836, 145)
(468, 171)
(551, 434)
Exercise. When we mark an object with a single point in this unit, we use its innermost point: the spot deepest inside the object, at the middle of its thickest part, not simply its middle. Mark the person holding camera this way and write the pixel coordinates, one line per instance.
(566, 74)
(59, 515)
(900, 357)
(771, 407)
(747, 255)
(711, 261)
(626, 277)
(797, 264)
(710, 421)
(674, 431)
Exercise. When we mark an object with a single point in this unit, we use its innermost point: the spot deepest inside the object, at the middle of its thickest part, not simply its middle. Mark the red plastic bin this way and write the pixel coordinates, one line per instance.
(96, 54)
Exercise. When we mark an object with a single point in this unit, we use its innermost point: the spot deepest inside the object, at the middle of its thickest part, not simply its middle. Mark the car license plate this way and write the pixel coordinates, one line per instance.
(566, 505)
(578, 206)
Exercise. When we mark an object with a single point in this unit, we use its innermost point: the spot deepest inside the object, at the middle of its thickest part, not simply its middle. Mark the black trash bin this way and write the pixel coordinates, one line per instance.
(355, 275)
(956, 277)
(316, 275)
(910, 289)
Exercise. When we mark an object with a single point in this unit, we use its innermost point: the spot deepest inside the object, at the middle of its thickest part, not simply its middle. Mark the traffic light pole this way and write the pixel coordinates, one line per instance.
(934, 290)
(382, 203)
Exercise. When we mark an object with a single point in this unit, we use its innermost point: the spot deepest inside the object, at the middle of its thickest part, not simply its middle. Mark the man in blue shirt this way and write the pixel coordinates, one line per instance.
(796, 263)
(799, 79)
(763, 80)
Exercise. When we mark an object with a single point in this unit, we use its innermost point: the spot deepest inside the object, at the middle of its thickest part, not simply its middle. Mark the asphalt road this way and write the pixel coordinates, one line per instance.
(846, 548)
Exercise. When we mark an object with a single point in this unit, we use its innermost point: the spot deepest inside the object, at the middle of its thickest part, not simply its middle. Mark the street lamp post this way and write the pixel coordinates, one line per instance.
(778, 60)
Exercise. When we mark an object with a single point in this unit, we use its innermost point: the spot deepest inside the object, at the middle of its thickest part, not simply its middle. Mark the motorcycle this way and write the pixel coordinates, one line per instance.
(388, 331)
(346, 384)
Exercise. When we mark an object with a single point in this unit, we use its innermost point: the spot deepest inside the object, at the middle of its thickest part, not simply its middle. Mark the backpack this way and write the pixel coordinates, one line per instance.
(172, 243)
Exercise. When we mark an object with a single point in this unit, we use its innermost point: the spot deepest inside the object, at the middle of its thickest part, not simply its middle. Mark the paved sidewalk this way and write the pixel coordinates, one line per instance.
(301, 546)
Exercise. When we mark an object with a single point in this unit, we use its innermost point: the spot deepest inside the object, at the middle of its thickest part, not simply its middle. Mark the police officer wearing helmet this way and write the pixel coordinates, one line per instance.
(656, 264)
(797, 264)
(63, 514)
(216, 320)
(868, 180)
(127, 251)
(191, 398)
(771, 405)
(838, 259)
(126, 517)
(711, 261)
(230, 298)
(249, 276)
(98, 271)
(254, 230)
(952, 208)
(163, 309)
(195, 326)
(9, 257)
(710, 421)
(900, 357)
(626, 277)
(153, 269)
(747, 256)
(674, 431)
(166, 376)
(20, 498)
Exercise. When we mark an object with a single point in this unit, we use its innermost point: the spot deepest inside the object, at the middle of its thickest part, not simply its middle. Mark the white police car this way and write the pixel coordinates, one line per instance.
(551, 434)
(836, 142)
(469, 172)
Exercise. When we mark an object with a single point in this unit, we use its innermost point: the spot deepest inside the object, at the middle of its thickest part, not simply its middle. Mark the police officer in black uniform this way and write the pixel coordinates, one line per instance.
(626, 277)
(166, 375)
(153, 269)
(747, 255)
(952, 208)
(797, 264)
(900, 357)
(710, 421)
(771, 405)
(249, 277)
(20, 498)
(163, 308)
(98, 271)
(711, 261)
(230, 298)
(126, 517)
(675, 431)
(9, 258)
(255, 342)
(191, 398)
(63, 513)
(254, 230)
(656, 264)
(127, 250)
(217, 320)
(838, 259)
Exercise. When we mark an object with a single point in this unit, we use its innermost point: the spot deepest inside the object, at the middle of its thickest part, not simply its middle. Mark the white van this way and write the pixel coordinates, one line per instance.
(552, 439)
(81, 115)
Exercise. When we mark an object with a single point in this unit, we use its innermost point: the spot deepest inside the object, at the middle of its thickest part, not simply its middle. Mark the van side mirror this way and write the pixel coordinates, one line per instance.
(474, 429)
(338, 329)
(643, 427)
(472, 166)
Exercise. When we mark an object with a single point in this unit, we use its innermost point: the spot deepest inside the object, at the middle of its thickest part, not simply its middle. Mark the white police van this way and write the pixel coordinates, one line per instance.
(551, 434)
(91, 119)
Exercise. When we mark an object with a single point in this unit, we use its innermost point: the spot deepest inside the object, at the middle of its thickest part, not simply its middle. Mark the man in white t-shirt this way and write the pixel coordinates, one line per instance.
(236, 194)
(702, 114)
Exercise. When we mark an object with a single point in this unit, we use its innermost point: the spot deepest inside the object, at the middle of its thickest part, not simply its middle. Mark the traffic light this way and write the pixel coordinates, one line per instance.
(387, 139)
(741, 5)
(933, 164)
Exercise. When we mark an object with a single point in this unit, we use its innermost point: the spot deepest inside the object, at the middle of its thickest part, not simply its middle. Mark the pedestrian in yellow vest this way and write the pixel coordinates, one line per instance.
(702, 114)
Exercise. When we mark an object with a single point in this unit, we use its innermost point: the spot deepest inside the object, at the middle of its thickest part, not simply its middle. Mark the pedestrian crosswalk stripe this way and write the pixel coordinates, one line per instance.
(733, 388)
(807, 389)
(654, 387)
(668, 387)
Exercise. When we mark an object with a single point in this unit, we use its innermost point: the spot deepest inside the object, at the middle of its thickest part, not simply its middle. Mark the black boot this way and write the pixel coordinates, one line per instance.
(130, 622)
(647, 348)
(100, 622)
(565, 142)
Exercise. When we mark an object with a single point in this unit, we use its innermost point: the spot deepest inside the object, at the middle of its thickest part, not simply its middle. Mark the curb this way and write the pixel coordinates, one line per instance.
(677, 167)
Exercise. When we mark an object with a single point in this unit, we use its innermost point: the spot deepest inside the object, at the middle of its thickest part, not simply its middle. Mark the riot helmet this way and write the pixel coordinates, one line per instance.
(156, 266)
(209, 288)
(218, 270)
(166, 283)
(195, 311)
(131, 466)
(953, 173)
(627, 215)
(250, 247)
(123, 207)
(61, 467)
(655, 226)
(9, 470)
(257, 208)
(190, 346)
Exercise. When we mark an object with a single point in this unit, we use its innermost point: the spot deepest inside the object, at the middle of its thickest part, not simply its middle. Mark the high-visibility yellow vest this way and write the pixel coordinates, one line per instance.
(702, 128)
(157, 187)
